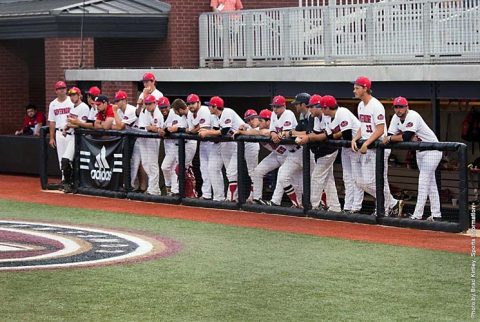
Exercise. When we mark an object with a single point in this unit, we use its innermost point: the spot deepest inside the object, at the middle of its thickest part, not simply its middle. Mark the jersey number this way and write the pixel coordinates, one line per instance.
(369, 128)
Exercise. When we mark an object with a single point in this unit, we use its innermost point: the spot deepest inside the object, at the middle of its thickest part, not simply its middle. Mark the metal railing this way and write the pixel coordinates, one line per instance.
(388, 32)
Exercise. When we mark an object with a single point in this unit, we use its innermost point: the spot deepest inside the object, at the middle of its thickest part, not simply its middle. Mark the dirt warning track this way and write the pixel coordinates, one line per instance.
(27, 189)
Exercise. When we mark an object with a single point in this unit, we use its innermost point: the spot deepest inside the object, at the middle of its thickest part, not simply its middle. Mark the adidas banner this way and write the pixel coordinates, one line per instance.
(101, 163)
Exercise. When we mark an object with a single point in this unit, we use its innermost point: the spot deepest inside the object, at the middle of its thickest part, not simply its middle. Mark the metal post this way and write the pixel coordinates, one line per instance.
(380, 182)
(181, 167)
(369, 21)
(327, 14)
(306, 178)
(242, 187)
(43, 164)
(249, 38)
(203, 43)
(463, 188)
(127, 156)
(286, 28)
(76, 161)
(226, 39)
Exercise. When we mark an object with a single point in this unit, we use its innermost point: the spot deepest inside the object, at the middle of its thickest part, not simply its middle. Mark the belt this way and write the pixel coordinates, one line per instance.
(60, 130)
(295, 149)
(142, 128)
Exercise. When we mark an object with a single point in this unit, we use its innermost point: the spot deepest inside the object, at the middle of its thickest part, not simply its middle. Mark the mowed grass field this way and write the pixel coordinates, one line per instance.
(226, 273)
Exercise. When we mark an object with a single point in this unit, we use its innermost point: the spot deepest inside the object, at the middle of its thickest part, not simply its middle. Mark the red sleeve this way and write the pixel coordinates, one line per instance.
(100, 117)
(40, 117)
(109, 112)
(26, 122)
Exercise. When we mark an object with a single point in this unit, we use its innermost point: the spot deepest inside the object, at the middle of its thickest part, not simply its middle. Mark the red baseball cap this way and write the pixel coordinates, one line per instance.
(163, 102)
(94, 91)
(278, 100)
(60, 84)
(250, 114)
(400, 101)
(363, 81)
(265, 114)
(148, 77)
(315, 100)
(328, 101)
(193, 98)
(149, 99)
(74, 90)
(216, 101)
(120, 95)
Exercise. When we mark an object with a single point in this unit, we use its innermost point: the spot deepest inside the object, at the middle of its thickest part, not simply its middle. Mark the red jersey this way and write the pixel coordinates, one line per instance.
(39, 118)
(102, 116)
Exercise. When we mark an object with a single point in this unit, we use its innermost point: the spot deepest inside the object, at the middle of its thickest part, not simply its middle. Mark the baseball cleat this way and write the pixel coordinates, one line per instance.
(415, 217)
(396, 211)
(433, 218)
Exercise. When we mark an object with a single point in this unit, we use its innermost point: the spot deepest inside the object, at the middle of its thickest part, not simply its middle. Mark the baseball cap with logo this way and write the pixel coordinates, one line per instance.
(120, 95)
(363, 81)
(301, 98)
(193, 98)
(216, 101)
(149, 99)
(94, 91)
(163, 102)
(250, 114)
(400, 101)
(101, 99)
(328, 101)
(148, 77)
(265, 114)
(278, 100)
(314, 100)
(60, 84)
(74, 90)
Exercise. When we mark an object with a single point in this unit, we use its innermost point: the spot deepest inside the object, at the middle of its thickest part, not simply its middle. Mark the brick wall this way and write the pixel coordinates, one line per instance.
(62, 54)
(110, 88)
(14, 79)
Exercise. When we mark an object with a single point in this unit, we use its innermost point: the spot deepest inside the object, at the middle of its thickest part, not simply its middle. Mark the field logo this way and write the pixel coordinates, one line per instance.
(31, 245)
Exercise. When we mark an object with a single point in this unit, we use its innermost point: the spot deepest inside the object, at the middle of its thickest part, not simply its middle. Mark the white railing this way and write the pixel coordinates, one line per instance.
(387, 32)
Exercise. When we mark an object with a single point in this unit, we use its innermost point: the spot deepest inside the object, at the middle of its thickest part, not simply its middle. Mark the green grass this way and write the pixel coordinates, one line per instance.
(228, 273)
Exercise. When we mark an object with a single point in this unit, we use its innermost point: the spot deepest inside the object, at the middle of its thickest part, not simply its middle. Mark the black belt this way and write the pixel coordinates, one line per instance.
(68, 133)
(295, 149)
(142, 128)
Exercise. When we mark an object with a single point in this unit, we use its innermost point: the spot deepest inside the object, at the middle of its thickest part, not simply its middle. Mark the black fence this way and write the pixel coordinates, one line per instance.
(455, 215)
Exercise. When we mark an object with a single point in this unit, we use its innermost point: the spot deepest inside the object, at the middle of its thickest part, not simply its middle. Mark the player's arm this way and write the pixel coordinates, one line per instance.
(52, 134)
(379, 130)
(355, 139)
(203, 133)
(107, 124)
(119, 125)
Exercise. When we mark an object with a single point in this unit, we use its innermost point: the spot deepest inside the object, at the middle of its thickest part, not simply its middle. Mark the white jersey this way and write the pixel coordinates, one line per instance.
(230, 119)
(322, 124)
(157, 94)
(203, 118)
(173, 119)
(79, 112)
(285, 122)
(413, 123)
(370, 116)
(59, 111)
(155, 118)
(344, 120)
(92, 114)
(129, 117)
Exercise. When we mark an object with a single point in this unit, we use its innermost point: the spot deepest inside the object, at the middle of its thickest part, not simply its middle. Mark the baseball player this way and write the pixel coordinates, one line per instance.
(124, 113)
(199, 117)
(32, 121)
(105, 116)
(251, 119)
(407, 125)
(141, 143)
(282, 122)
(170, 120)
(92, 93)
(79, 112)
(181, 110)
(58, 111)
(343, 125)
(229, 123)
(153, 122)
(371, 114)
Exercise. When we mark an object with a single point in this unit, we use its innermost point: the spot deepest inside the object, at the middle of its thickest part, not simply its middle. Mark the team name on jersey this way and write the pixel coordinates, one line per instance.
(60, 111)
(365, 118)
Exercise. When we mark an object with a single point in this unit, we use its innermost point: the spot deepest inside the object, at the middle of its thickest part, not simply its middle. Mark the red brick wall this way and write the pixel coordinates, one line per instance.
(110, 88)
(62, 54)
(14, 79)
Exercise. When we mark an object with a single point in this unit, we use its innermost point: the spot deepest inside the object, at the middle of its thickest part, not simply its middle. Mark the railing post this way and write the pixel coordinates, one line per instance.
(328, 13)
(127, 157)
(463, 188)
(242, 173)
(204, 42)
(379, 181)
(43, 162)
(181, 167)
(76, 161)
(225, 18)
(286, 29)
(369, 33)
(249, 38)
(306, 179)
(427, 29)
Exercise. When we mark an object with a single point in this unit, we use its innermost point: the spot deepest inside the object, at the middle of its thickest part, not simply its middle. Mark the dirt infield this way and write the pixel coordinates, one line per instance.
(27, 189)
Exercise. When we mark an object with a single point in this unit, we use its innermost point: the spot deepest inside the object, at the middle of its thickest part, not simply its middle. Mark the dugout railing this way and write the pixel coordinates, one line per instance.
(457, 223)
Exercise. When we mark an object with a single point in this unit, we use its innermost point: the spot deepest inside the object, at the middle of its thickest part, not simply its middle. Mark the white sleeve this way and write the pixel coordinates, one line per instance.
(51, 115)
(393, 128)
(204, 118)
(130, 116)
(290, 121)
(316, 125)
(273, 121)
(84, 113)
(379, 114)
(412, 122)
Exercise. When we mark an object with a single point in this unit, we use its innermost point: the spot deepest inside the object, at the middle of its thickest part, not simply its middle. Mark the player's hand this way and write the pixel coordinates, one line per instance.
(364, 148)
(386, 140)
(140, 102)
(202, 133)
(115, 107)
(18, 132)
(161, 132)
(354, 146)
(275, 137)
(302, 139)
(51, 142)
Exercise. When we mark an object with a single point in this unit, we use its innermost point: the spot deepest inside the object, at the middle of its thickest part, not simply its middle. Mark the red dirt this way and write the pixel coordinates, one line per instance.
(27, 189)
